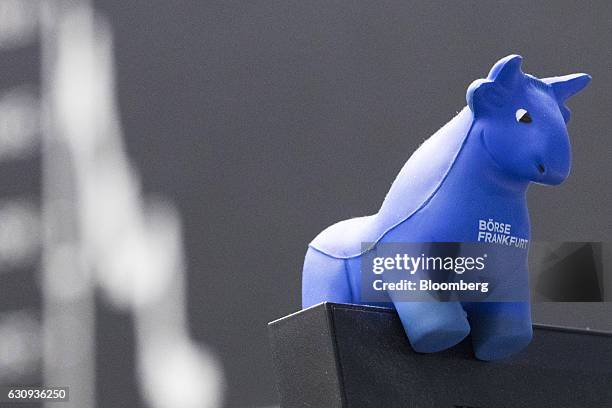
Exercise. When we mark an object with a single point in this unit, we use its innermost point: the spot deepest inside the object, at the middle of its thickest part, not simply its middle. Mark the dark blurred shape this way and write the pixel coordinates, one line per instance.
(573, 276)
(336, 355)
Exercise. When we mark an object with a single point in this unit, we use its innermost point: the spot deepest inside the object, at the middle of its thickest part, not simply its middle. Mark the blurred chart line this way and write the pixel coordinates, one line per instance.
(19, 23)
(20, 332)
(19, 129)
(98, 231)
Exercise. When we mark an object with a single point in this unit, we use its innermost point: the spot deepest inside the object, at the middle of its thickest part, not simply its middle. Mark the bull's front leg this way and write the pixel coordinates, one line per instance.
(499, 329)
(433, 326)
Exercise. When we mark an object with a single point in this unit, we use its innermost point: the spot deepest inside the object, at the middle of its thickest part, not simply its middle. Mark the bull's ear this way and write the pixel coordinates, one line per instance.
(566, 86)
(483, 95)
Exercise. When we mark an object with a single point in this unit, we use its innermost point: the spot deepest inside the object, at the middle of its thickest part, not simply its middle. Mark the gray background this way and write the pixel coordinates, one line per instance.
(269, 120)
(266, 121)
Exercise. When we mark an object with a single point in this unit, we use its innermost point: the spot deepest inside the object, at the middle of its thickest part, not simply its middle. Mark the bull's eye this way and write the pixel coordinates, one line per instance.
(523, 116)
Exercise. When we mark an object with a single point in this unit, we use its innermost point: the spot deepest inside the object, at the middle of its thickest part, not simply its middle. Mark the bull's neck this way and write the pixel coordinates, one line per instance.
(479, 172)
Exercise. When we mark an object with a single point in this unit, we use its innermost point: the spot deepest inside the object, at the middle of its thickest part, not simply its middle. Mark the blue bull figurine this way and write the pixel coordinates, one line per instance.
(475, 169)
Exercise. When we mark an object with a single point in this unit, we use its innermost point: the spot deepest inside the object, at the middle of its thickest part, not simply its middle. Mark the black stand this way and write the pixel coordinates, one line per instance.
(335, 355)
